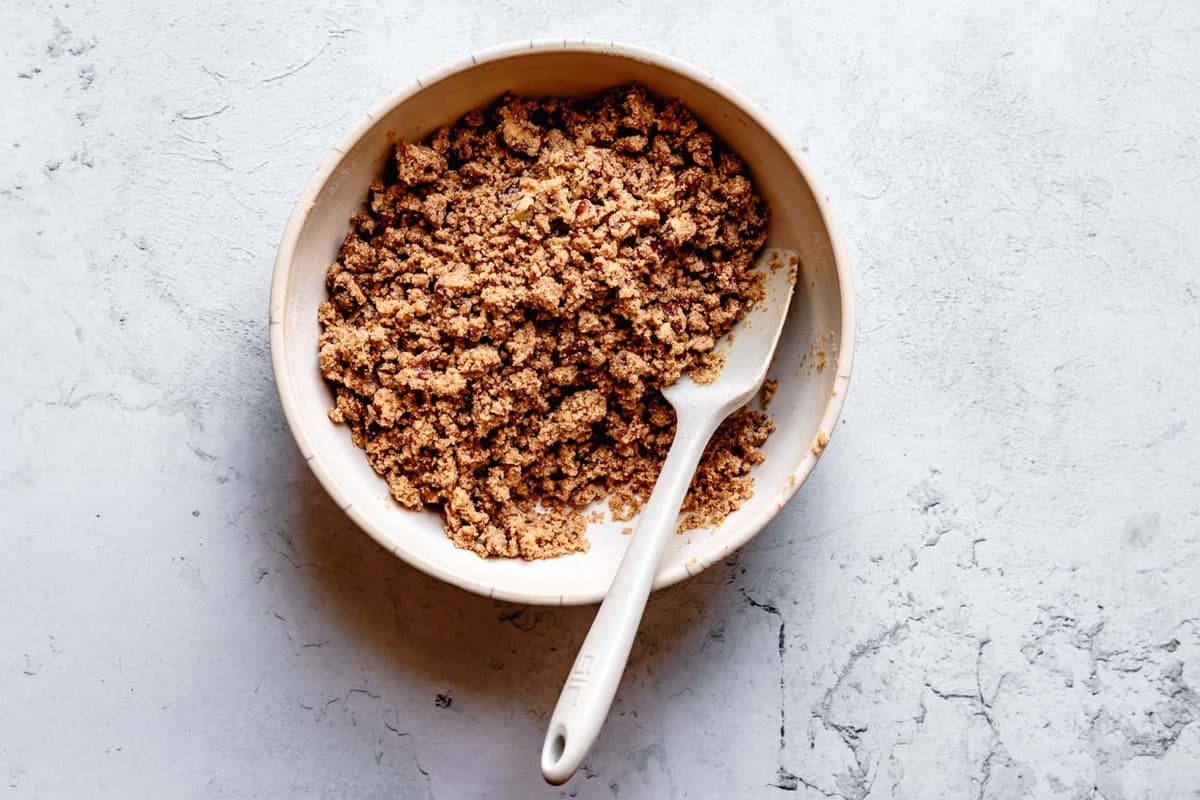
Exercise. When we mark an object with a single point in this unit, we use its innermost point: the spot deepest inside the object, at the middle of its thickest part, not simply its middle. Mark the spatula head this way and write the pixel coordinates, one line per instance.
(748, 348)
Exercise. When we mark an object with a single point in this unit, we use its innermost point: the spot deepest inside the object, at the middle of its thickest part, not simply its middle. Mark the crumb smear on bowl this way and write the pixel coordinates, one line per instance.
(767, 392)
(518, 288)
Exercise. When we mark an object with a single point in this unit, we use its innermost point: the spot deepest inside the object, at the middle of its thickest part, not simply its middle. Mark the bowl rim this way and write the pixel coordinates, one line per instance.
(285, 257)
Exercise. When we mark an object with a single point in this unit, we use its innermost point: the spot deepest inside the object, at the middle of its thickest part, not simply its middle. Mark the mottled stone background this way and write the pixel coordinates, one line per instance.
(988, 589)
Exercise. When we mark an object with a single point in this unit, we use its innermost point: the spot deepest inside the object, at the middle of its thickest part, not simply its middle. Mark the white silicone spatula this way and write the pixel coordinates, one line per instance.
(699, 409)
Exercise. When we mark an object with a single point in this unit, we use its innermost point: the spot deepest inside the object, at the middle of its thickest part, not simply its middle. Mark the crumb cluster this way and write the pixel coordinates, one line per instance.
(518, 288)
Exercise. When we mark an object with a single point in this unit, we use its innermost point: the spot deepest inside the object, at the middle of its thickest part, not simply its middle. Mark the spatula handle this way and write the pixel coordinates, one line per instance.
(590, 688)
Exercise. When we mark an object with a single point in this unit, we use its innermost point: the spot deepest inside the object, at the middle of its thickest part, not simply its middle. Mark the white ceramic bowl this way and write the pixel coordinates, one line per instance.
(806, 405)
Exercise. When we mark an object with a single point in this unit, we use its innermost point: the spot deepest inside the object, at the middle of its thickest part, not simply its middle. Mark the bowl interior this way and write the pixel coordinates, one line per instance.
(805, 406)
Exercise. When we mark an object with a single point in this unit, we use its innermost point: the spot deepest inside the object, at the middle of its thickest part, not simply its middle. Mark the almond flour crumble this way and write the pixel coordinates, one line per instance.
(516, 291)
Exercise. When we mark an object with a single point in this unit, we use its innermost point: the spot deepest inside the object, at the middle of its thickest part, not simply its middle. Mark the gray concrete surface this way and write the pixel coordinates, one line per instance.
(988, 589)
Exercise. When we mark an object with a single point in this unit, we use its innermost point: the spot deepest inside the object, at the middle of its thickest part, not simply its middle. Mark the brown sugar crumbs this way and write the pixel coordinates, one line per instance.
(767, 393)
(516, 291)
